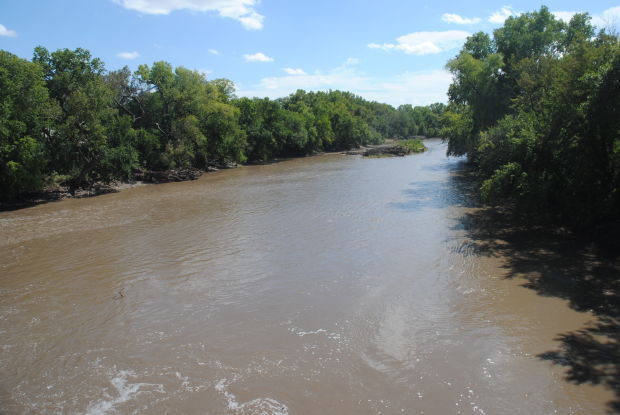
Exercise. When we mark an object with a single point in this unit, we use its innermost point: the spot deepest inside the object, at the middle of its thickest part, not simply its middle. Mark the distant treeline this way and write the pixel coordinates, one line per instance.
(536, 108)
(64, 119)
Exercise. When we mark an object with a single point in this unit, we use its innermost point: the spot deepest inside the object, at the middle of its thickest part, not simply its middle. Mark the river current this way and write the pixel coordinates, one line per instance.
(331, 284)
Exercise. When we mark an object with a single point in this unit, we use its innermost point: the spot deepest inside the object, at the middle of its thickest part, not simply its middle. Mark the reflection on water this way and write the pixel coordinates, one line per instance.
(331, 284)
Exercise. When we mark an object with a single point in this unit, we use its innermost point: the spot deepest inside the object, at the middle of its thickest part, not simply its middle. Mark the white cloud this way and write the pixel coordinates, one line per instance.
(240, 10)
(205, 72)
(292, 71)
(423, 43)
(343, 77)
(455, 18)
(4, 31)
(128, 55)
(253, 21)
(502, 14)
(258, 57)
(214, 52)
(610, 18)
(564, 16)
(417, 88)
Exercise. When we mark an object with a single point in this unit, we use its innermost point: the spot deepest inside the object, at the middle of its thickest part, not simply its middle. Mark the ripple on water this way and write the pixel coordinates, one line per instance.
(322, 285)
(258, 406)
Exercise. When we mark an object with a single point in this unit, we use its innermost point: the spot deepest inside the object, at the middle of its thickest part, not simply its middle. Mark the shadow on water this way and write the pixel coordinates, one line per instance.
(457, 188)
(585, 273)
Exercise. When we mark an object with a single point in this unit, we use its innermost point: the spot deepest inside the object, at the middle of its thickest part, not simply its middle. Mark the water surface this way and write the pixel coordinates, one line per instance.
(331, 284)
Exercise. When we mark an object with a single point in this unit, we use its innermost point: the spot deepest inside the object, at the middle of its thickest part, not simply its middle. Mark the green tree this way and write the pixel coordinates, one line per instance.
(79, 143)
(538, 116)
(193, 118)
(26, 114)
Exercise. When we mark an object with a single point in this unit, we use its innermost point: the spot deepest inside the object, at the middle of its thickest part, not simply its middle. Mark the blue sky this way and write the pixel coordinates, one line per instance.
(389, 51)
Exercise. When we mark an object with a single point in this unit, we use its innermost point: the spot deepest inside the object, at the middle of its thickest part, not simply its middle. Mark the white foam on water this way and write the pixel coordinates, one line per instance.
(301, 333)
(126, 391)
(305, 333)
(258, 406)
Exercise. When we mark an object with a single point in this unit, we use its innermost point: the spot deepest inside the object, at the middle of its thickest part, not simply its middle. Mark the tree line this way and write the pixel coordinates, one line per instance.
(65, 119)
(536, 109)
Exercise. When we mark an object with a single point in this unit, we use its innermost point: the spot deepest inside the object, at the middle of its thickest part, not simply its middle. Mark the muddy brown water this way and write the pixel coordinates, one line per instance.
(325, 285)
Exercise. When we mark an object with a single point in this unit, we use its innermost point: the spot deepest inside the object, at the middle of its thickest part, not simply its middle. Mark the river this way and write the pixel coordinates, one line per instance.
(324, 285)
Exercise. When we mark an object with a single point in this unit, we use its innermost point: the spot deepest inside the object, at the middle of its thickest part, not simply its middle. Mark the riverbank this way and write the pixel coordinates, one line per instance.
(62, 192)
(54, 193)
(391, 148)
(59, 192)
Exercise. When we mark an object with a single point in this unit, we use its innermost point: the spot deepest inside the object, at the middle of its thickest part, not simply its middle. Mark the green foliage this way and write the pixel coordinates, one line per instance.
(79, 144)
(258, 117)
(121, 157)
(414, 145)
(458, 130)
(529, 35)
(25, 111)
(537, 110)
(192, 118)
(478, 83)
(64, 119)
(503, 183)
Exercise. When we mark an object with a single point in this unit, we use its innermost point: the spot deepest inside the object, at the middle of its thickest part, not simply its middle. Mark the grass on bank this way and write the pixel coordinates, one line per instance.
(413, 145)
